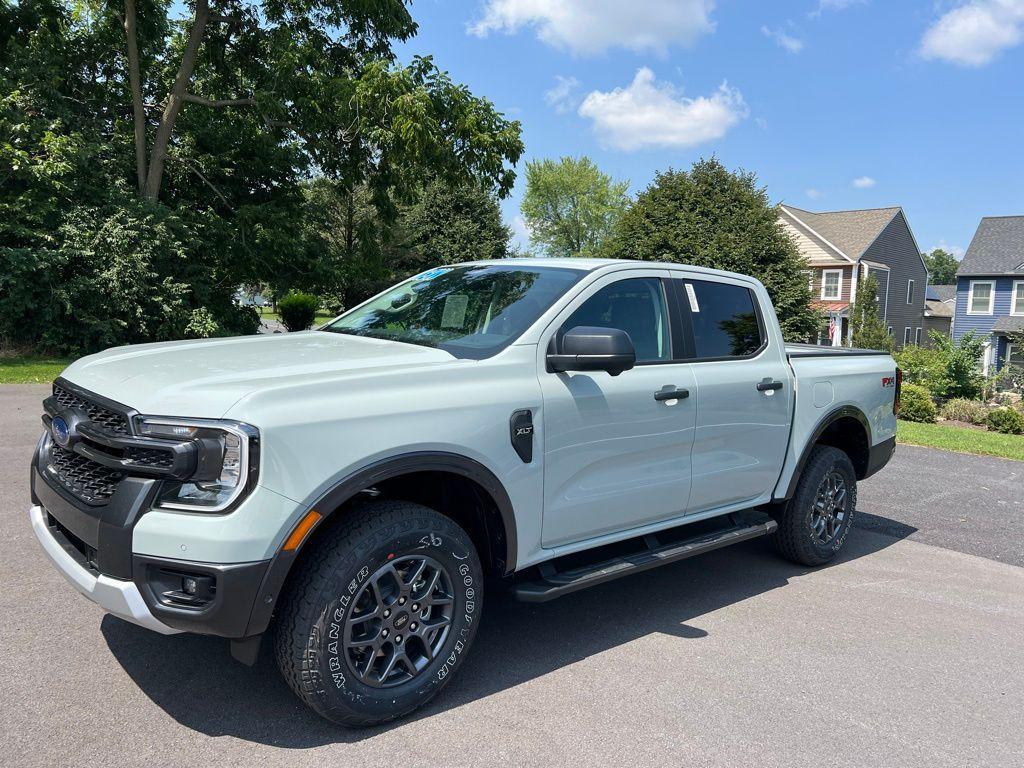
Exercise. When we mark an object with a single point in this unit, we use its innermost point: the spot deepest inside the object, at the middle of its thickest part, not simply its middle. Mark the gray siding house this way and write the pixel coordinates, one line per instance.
(842, 248)
(990, 289)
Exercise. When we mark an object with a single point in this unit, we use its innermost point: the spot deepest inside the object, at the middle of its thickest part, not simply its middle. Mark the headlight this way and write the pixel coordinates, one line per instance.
(226, 467)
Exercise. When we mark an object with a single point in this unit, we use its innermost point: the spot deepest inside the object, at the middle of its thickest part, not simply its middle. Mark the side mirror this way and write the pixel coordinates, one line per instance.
(585, 348)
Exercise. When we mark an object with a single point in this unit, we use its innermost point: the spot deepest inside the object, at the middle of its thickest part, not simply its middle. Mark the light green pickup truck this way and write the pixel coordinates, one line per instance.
(544, 424)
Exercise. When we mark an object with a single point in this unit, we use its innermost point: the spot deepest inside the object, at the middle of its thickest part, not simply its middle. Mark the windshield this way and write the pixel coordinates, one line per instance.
(468, 311)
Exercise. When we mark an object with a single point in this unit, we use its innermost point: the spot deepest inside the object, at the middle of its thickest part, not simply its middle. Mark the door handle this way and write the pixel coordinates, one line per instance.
(768, 386)
(671, 394)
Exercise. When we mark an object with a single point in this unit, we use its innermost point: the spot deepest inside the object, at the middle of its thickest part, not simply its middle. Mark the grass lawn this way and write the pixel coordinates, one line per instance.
(961, 440)
(31, 370)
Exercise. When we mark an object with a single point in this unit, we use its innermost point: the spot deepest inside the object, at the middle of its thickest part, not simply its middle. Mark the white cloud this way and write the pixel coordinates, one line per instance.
(864, 182)
(563, 95)
(957, 250)
(650, 114)
(834, 5)
(593, 26)
(972, 34)
(784, 40)
(761, 123)
(813, 193)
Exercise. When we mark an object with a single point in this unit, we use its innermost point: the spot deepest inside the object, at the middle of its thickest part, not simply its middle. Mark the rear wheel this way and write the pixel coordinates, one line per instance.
(814, 525)
(380, 615)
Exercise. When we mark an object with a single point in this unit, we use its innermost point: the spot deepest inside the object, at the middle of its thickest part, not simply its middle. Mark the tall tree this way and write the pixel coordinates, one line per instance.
(197, 126)
(712, 217)
(869, 330)
(570, 206)
(942, 266)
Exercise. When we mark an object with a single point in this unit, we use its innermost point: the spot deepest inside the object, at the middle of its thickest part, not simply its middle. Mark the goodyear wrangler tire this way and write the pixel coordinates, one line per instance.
(814, 525)
(381, 614)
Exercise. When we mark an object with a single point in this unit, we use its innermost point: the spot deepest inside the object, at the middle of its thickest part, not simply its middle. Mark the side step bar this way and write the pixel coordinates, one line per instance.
(555, 583)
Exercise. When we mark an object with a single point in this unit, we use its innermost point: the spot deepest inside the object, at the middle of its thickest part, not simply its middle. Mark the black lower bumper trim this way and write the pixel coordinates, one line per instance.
(879, 456)
(224, 611)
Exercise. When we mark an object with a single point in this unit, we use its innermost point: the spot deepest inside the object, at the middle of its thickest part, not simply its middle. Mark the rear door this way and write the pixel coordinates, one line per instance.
(615, 457)
(744, 392)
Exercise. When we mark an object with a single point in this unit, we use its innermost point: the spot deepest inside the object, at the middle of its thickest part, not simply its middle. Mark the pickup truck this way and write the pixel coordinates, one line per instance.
(547, 425)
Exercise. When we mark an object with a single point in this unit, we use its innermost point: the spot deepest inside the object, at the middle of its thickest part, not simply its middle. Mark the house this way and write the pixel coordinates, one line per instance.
(842, 248)
(939, 305)
(990, 289)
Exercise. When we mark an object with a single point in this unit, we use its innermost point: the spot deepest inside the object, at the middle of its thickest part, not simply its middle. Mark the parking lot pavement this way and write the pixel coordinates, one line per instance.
(902, 653)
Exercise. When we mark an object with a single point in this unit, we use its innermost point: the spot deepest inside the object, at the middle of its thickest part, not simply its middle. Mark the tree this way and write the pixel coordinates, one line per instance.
(570, 206)
(210, 128)
(711, 217)
(942, 266)
(869, 330)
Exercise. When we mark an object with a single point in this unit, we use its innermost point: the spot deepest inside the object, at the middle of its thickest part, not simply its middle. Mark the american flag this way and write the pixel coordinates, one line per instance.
(832, 328)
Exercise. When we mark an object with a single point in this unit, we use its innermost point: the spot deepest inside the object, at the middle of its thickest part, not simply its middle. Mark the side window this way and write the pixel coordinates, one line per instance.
(636, 306)
(724, 319)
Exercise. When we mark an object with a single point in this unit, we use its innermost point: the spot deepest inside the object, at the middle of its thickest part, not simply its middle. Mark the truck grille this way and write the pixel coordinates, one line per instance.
(103, 417)
(91, 482)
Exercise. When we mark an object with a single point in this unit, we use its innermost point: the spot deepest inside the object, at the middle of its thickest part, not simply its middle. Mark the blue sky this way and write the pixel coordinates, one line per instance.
(833, 103)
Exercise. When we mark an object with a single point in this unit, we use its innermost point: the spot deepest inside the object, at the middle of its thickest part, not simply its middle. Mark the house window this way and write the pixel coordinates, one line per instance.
(981, 297)
(917, 337)
(889, 330)
(1014, 357)
(1017, 303)
(831, 284)
(906, 335)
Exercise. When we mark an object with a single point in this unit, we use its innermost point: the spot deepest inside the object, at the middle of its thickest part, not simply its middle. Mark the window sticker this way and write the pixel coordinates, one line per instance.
(454, 315)
(692, 296)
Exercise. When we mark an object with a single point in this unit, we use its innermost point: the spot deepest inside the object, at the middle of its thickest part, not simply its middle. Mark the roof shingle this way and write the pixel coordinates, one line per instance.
(997, 248)
(850, 231)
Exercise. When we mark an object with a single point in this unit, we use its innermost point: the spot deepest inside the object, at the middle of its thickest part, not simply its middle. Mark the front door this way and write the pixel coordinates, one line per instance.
(614, 456)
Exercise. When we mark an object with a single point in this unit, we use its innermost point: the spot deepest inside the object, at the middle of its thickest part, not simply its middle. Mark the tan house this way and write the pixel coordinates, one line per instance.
(842, 248)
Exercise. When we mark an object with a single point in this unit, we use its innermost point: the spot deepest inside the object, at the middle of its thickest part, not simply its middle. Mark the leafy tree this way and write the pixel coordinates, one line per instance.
(215, 123)
(947, 369)
(869, 330)
(942, 266)
(712, 217)
(570, 206)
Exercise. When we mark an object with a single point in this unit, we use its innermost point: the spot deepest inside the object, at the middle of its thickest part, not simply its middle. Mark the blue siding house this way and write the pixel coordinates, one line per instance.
(990, 289)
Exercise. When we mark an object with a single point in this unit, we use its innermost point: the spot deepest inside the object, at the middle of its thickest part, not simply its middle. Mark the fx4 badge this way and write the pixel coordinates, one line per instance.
(888, 382)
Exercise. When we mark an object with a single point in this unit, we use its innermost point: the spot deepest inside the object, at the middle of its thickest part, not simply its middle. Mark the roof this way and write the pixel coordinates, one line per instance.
(592, 265)
(942, 292)
(997, 248)
(832, 306)
(849, 231)
(936, 308)
(1009, 323)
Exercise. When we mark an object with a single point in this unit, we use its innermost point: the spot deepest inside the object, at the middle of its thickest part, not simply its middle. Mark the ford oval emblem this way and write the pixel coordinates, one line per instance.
(61, 431)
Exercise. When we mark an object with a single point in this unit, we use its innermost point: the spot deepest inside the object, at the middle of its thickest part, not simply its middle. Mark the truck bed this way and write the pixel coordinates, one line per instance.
(818, 350)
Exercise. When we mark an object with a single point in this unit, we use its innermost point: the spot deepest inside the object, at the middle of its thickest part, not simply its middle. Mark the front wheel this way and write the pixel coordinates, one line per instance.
(814, 524)
(381, 614)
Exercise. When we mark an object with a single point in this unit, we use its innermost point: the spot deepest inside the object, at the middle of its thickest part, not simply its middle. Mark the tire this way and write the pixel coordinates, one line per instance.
(367, 560)
(809, 533)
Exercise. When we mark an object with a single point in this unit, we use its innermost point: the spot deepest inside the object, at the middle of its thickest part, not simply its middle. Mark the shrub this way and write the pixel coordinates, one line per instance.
(961, 409)
(298, 310)
(916, 404)
(945, 369)
(1010, 421)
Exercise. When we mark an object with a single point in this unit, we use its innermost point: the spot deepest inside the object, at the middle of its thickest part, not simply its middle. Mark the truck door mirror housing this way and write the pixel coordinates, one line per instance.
(587, 348)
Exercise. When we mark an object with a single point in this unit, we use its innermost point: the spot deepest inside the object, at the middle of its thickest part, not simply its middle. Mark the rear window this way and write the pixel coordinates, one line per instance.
(724, 318)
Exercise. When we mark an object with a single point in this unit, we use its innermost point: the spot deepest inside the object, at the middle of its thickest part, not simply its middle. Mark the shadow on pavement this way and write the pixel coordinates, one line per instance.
(194, 679)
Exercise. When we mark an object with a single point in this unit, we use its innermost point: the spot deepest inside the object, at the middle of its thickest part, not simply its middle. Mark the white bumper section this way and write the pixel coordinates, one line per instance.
(121, 598)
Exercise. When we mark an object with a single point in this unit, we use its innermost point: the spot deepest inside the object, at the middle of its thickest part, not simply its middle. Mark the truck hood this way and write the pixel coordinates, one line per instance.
(205, 377)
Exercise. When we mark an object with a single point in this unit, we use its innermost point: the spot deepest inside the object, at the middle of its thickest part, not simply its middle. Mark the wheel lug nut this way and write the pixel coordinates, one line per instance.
(415, 606)
(401, 601)
(387, 613)
(413, 626)
(398, 639)
(384, 633)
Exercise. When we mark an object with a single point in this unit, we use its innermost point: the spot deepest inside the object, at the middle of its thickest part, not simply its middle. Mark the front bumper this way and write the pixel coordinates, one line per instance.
(121, 598)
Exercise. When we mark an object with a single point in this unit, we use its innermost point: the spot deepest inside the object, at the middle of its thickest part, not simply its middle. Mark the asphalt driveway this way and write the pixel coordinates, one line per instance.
(906, 652)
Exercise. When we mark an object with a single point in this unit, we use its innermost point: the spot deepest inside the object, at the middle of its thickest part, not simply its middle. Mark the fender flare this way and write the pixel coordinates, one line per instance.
(366, 477)
(846, 411)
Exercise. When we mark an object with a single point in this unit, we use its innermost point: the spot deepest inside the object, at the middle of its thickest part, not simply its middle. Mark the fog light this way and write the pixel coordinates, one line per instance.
(189, 585)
